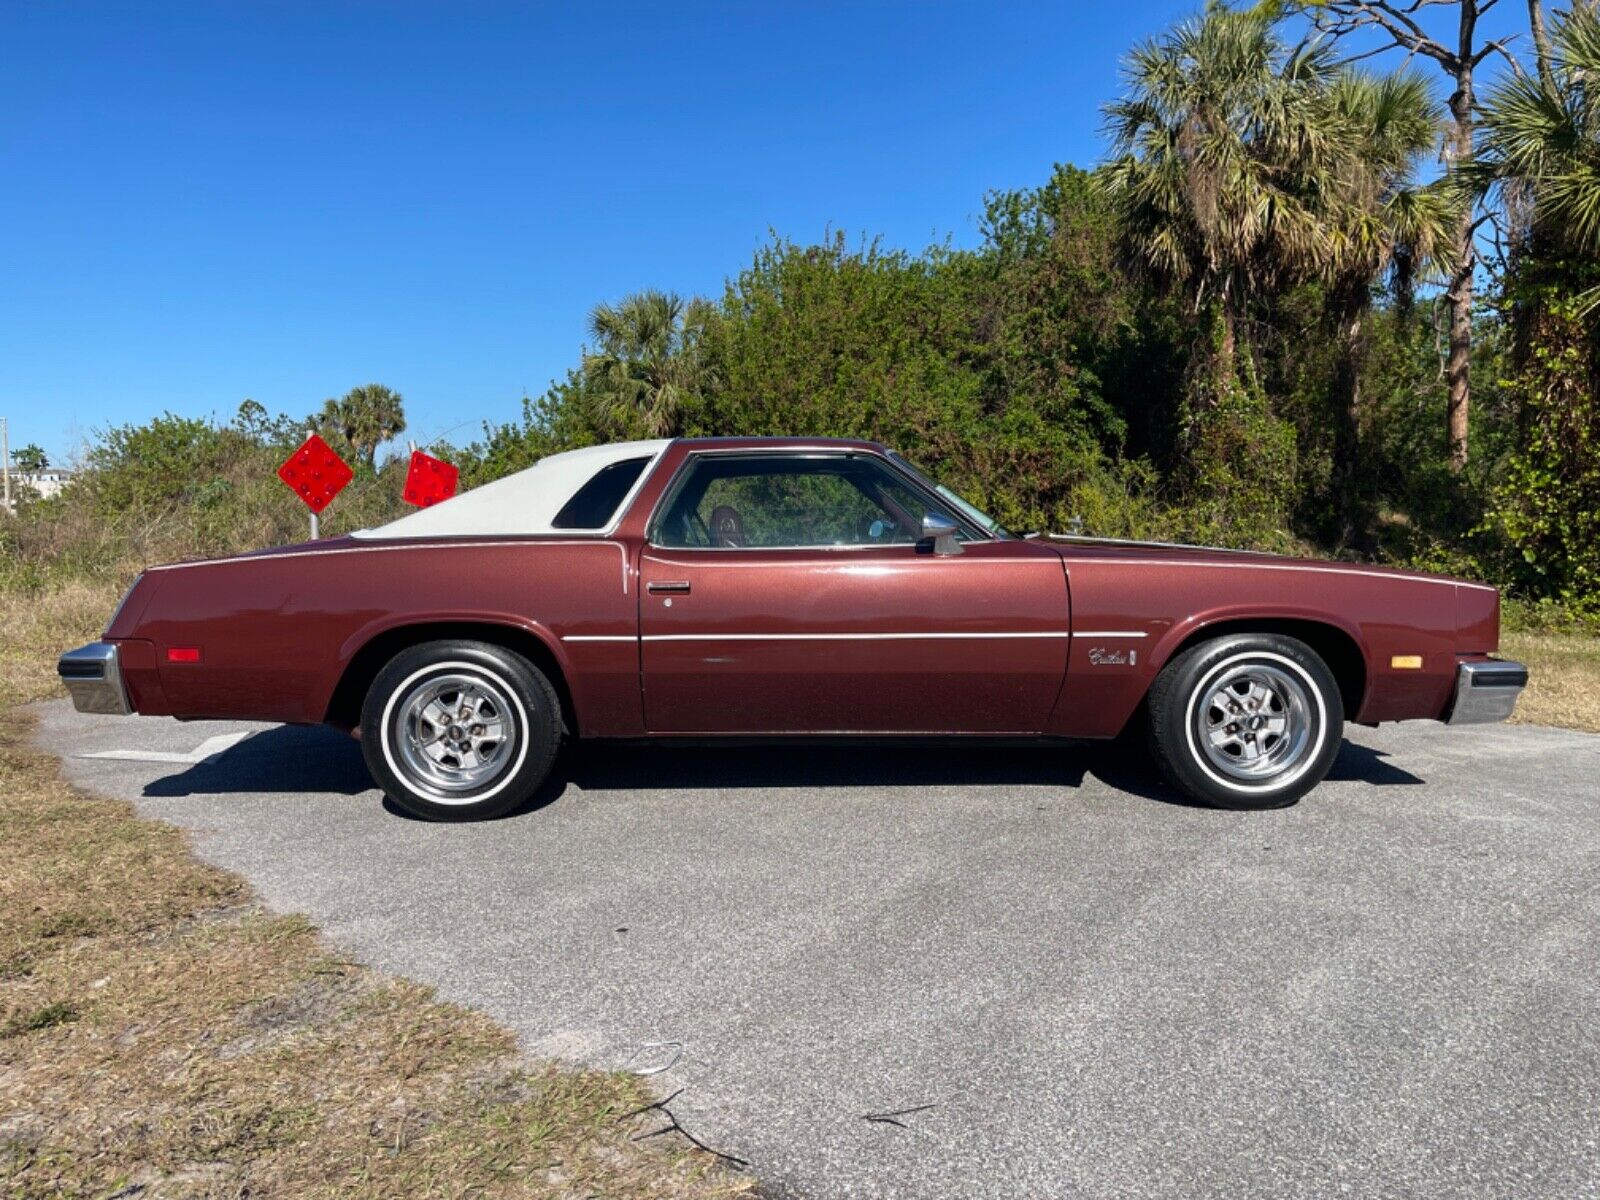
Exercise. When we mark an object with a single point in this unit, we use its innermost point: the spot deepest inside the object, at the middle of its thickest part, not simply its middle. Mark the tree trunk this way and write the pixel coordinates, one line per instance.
(1541, 41)
(1227, 349)
(1459, 297)
(1345, 482)
(1459, 367)
(1215, 362)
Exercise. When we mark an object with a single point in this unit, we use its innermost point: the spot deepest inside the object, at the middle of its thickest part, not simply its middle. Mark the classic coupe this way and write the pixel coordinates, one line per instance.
(760, 587)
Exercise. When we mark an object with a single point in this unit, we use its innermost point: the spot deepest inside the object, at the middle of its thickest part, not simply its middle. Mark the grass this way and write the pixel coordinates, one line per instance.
(1563, 678)
(162, 1034)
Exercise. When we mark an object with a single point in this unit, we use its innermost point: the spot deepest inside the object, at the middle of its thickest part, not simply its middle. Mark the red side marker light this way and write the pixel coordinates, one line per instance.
(183, 654)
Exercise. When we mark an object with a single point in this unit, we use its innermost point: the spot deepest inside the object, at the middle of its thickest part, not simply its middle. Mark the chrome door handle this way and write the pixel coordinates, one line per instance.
(671, 587)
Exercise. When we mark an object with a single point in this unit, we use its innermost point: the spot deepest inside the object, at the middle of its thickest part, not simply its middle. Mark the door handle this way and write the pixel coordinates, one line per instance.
(670, 587)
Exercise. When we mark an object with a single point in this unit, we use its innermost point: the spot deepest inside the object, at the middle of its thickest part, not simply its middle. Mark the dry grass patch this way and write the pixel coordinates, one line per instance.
(1564, 678)
(35, 628)
(161, 1034)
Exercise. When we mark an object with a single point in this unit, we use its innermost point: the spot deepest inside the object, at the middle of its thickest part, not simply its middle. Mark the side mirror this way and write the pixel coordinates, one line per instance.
(941, 531)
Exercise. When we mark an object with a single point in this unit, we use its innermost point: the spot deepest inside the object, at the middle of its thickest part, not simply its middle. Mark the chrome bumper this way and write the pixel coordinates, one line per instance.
(93, 675)
(1486, 690)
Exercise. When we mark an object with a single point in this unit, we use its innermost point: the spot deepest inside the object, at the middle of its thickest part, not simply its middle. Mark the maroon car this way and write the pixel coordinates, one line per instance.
(759, 587)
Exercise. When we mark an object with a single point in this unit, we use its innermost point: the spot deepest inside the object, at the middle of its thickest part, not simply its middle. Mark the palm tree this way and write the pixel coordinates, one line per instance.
(363, 419)
(1224, 148)
(648, 360)
(1541, 145)
(1245, 168)
(1384, 223)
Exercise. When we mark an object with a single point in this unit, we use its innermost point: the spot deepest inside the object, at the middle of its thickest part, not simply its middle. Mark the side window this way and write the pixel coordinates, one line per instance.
(791, 501)
(594, 504)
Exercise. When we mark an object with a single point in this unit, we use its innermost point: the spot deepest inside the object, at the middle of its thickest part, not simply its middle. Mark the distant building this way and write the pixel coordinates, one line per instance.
(43, 484)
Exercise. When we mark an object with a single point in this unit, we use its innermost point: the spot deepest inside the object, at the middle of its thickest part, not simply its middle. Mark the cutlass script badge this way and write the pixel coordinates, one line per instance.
(1102, 657)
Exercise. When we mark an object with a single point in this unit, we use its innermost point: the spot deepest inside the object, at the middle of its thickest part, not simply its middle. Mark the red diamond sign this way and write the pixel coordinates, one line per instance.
(429, 480)
(315, 473)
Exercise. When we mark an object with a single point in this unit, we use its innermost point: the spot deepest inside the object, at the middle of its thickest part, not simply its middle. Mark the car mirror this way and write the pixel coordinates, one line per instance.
(941, 531)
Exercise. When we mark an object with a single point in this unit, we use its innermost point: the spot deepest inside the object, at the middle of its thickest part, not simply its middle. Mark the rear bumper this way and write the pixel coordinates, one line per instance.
(93, 675)
(1486, 690)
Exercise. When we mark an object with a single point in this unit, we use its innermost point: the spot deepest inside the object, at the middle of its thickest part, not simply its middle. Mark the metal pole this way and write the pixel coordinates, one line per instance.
(5, 458)
(312, 428)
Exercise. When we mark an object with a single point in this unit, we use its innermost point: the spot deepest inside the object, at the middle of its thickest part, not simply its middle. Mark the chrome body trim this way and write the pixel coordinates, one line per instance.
(93, 676)
(848, 637)
(936, 635)
(1486, 691)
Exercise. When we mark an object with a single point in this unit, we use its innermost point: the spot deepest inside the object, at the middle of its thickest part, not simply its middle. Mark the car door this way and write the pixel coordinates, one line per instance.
(791, 593)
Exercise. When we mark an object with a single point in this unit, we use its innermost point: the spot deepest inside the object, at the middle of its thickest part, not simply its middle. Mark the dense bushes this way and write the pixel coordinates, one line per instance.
(992, 368)
(1546, 503)
(178, 487)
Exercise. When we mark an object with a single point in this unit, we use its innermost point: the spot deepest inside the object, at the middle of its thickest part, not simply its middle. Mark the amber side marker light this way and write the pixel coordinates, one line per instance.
(1406, 662)
(183, 654)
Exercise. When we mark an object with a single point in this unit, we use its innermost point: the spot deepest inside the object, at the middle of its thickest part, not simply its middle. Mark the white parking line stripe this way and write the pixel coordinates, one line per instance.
(213, 747)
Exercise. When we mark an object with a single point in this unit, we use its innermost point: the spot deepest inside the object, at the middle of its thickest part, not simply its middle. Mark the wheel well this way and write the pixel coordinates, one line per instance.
(344, 707)
(1335, 647)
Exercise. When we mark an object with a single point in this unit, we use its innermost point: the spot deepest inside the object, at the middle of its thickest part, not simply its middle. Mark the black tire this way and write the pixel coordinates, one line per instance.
(502, 735)
(1246, 721)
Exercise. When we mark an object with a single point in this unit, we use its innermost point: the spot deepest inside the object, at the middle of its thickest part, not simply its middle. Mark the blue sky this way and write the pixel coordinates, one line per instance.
(207, 202)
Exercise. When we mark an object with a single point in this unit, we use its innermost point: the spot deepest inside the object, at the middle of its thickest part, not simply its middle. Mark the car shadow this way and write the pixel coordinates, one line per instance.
(301, 759)
(289, 758)
(1363, 764)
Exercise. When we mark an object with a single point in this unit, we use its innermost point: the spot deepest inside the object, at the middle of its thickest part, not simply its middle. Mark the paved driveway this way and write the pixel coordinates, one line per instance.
(1391, 989)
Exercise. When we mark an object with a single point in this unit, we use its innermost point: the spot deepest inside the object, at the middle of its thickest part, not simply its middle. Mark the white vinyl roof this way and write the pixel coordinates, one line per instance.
(524, 503)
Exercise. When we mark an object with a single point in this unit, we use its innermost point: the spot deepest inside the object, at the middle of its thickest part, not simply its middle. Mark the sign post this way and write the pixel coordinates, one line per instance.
(316, 474)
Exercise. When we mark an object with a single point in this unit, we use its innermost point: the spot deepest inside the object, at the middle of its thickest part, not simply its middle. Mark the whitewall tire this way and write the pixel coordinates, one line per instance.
(1246, 721)
(460, 730)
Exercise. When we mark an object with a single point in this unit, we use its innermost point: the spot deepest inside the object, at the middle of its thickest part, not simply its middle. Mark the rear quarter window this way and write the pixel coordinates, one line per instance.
(594, 504)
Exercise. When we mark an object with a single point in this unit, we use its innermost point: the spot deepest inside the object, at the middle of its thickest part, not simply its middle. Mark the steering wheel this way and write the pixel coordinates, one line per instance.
(698, 529)
(877, 531)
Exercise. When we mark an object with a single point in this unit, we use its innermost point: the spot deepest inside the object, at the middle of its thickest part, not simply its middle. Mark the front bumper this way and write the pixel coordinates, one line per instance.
(1486, 690)
(93, 674)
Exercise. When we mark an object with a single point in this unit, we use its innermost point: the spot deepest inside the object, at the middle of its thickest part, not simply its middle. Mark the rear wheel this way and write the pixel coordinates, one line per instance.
(1246, 721)
(460, 730)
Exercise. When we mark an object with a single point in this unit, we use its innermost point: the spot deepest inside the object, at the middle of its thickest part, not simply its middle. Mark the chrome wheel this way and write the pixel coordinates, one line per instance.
(455, 733)
(1253, 721)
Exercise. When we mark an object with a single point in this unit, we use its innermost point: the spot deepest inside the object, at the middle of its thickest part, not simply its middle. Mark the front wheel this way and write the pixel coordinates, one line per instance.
(1246, 721)
(460, 730)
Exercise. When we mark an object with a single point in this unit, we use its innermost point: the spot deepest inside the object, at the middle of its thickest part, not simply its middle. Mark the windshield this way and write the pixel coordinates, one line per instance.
(970, 511)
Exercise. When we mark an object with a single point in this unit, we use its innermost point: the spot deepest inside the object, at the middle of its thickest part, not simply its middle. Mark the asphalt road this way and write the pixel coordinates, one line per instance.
(1390, 989)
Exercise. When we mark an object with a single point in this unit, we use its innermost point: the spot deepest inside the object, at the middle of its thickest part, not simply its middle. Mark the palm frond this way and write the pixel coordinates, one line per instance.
(1541, 142)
